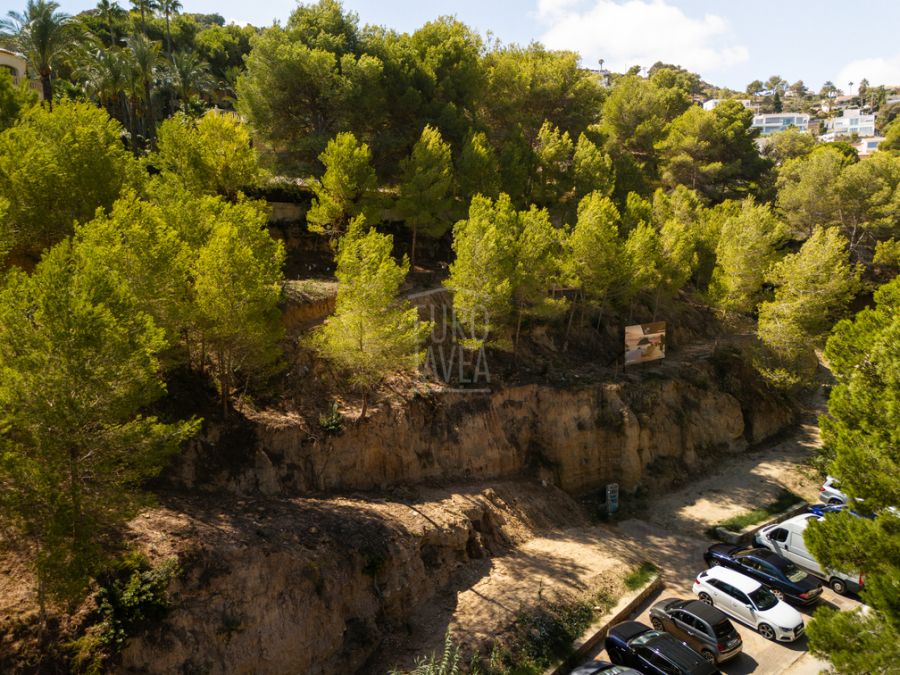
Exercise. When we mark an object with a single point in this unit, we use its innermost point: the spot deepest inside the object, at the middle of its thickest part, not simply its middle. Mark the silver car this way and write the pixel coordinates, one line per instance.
(703, 628)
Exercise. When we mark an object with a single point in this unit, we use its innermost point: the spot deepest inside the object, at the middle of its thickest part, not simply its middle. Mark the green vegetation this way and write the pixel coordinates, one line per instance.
(426, 178)
(861, 434)
(346, 189)
(640, 576)
(782, 502)
(370, 334)
(57, 168)
(129, 251)
(132, 595)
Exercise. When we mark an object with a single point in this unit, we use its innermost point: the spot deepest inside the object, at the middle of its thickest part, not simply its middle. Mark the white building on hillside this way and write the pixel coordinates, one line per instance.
(713, 102)
(850, 123)
(866, 146)
(770, 123)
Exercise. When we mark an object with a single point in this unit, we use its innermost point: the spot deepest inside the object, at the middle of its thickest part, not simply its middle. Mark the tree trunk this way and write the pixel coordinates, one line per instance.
(223, 383)
(47, 89)
(168, 35)
(412, 255)
(518, 328)
(569, 323)
(148, 114)
(365, 406)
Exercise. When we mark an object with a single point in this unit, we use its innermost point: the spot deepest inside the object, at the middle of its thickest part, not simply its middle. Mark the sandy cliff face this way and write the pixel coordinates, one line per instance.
(578, 438)
(311, 586)
(278, 582)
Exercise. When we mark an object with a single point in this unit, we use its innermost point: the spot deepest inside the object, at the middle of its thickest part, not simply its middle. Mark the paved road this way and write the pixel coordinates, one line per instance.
(671, 534)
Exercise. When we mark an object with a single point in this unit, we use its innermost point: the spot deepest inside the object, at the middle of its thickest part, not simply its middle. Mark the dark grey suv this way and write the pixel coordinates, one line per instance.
(703, 628)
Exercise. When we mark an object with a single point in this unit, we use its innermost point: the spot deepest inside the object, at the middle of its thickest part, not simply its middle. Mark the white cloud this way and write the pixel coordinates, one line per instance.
(875, 70)
(639, 32)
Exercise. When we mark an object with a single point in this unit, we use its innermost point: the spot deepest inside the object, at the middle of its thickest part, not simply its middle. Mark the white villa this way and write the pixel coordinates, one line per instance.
(712, 103)
(770, 123)
(850, 123)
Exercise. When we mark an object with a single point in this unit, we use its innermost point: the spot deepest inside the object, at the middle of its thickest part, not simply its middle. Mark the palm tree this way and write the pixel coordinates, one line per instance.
(144, 7)
(190, 76)
(110, 12)
(105, 77)
(145, 59)
(169, 7)
(43, 34)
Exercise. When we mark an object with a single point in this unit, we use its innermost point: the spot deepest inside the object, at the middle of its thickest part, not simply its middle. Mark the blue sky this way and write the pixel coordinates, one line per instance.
(729, 42)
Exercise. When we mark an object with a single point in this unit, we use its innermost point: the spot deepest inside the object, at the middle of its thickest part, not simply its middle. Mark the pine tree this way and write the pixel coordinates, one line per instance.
(237, 286)
(806, 190)
(746, 250)
(813, 288)
(539, 259)
(594, 252)
(348, 187)
(482, 275)
(137, 242)
(593, 169)
(372, 332)
(637, 210)
(211, 155)
(477, 171)
(643, 255)
(426, 179)
(554, 150)
(57, 168)
(861, 434)
(78, 365)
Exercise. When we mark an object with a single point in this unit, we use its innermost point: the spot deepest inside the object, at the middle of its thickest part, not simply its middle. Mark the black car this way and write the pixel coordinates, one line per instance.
(781, 576)
(701, 627)
(653, 652)
(603, 668)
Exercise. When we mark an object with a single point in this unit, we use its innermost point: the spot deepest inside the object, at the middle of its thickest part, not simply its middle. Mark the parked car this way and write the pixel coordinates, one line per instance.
(779, 575)
(825, 509)
(603, 668)
(701, 627)
(749, 602)
(653, 652)
(786, 539)
(830, 493)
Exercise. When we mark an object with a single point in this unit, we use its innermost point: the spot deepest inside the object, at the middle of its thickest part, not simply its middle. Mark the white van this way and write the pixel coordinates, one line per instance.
(786, 539)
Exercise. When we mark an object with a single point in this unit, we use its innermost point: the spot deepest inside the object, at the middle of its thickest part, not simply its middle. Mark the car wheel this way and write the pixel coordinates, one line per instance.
(705, 598)
(838, 586)
(766, 631)
(656, 623)
(834, 501)
(708, 655)
(778, 594)
(714, 562)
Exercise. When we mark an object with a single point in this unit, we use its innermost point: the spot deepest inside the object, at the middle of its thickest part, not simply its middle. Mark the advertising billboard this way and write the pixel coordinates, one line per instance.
(645, 342)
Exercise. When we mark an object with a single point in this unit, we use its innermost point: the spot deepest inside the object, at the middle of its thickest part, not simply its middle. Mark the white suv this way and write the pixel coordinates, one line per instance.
(749, 602)
(830, 493)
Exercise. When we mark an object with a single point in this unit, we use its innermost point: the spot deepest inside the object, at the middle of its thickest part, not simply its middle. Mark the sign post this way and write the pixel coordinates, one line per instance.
(612, 498)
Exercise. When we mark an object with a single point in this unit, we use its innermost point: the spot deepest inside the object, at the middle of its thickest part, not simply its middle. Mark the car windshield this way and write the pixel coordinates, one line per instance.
(794, 573)
(763, 599)
(644, 638)
(723, 629)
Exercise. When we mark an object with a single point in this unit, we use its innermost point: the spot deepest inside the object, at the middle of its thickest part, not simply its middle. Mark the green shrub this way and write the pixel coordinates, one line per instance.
(640, 575)
(132, 594)
(333, 421)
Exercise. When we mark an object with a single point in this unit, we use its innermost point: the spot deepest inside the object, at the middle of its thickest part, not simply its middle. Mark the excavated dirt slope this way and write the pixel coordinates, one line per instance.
(313, 585)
